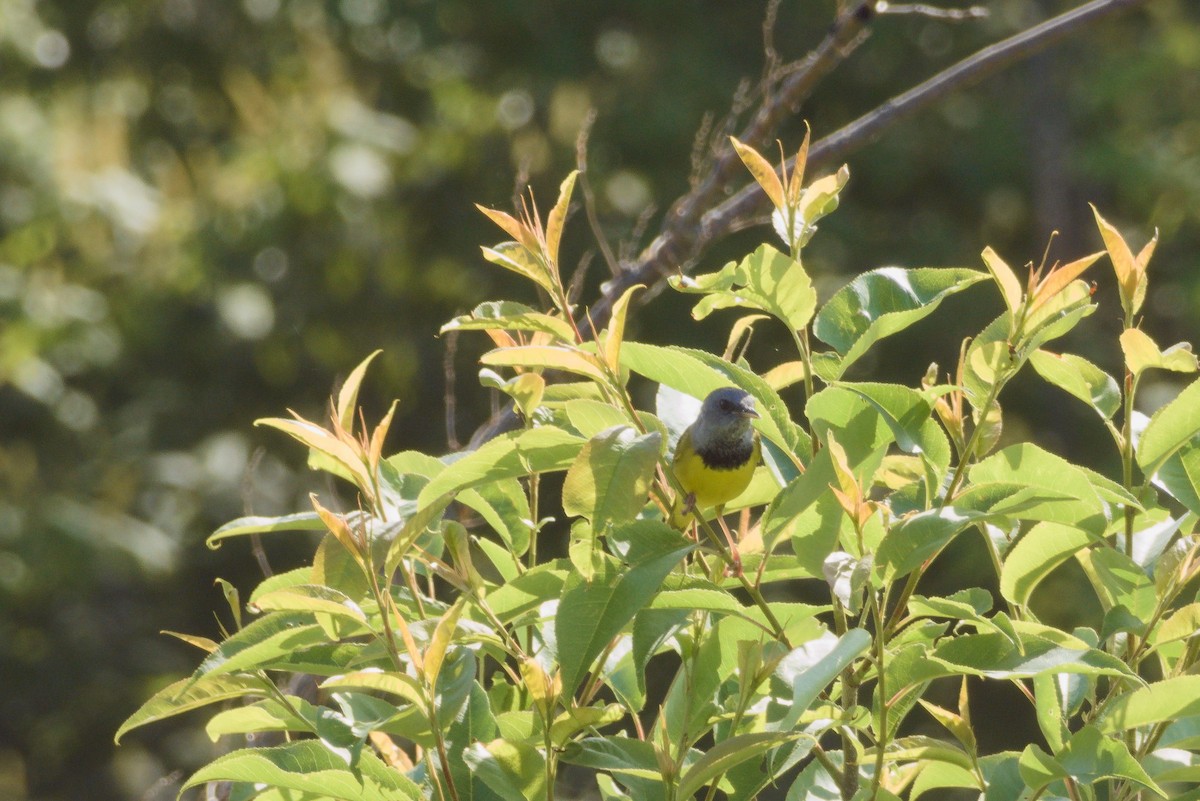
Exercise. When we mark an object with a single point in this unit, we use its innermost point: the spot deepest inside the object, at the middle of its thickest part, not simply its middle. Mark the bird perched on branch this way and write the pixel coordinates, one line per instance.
(716, 456)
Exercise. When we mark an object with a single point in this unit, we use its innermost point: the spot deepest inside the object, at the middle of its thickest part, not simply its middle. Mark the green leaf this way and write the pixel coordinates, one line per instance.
(699, 598)
(609, 480)
(1027, 464)
(697, 373)
(919, 537)
(1088, 757)
(529, 590)
(1052, 714)
(589, 417)
(728, 754)
(505, 315)
(1179, 475)
(1169, 429)
(807, 513)
(1165, 700)
(1058, 315)
(1079, 377)
(883, 302)
(936, 775)
(186, 695)
(766, 279)
(505, 507)
(1034, 557)
(904, 410)
(302, 521)
(821, 196)
(994, 655)
(475, 724)
(347, 401)
(400, 685)
(1142, 353)
(282, 581)
(335, 455)
(594, 611)
(1119, 582)
(1180, 624)
(516, 771)
(631, 762)
(573, 721)
(261, 643)
(309, 767)
(567, 358)
(557, 217)
(311, 598)
(266, 715)
(333, 566)
(812, 667)
(610, 340)
(1006, 279)
(515, 257)
(965, 604)
(513, 455)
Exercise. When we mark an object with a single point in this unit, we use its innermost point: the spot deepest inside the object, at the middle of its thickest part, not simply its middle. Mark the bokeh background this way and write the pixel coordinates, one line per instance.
(211, 210)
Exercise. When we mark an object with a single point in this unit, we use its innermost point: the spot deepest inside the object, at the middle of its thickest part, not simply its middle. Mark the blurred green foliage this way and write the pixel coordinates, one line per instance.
(209, 210)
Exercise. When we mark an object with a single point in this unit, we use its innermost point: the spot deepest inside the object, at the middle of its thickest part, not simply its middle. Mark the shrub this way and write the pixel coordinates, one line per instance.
(454, 659)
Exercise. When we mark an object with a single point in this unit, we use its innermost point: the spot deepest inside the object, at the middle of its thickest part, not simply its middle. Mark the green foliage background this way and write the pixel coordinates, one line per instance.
(209, 211)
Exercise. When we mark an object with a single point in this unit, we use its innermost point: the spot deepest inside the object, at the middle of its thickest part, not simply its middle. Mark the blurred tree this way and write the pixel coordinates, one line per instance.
(210, 209)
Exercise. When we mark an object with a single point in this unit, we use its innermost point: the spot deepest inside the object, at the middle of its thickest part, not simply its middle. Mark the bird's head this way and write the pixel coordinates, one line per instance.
(728, 406)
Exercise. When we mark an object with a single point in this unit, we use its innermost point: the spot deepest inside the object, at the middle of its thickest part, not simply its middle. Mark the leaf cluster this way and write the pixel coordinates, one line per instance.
(455, 660)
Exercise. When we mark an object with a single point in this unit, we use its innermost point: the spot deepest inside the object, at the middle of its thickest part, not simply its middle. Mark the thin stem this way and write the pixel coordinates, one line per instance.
(533, 515)
(800, 338)
(881, 691)
(849, 783)
(748, 585)
(443, 755)
(1127, 458)
(827, 763)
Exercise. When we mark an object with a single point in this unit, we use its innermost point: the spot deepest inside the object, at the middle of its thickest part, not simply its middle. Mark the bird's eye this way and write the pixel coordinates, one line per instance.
(726, 406)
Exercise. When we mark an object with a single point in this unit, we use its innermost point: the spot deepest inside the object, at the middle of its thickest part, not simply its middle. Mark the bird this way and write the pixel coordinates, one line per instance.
(715, 457)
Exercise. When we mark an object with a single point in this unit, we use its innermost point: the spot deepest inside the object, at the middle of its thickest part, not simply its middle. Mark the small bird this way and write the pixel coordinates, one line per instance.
(716, 456)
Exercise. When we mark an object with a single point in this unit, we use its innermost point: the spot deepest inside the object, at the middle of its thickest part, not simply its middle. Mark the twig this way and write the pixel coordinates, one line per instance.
(260, 553)
(589, 197)
(451, 393)
(923, 10)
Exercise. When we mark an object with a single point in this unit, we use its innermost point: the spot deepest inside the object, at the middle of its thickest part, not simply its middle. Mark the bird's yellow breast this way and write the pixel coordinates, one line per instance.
(711, 486)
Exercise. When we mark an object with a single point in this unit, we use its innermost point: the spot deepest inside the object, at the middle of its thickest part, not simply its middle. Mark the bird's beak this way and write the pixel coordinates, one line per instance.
(749, 411)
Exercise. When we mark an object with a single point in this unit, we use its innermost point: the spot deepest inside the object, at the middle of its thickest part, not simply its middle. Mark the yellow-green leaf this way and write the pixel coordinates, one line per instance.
(558, 216)
(552, 357)
(1141, 353)
(762, 171)
(1057, 280)
(612, 338)
(1006, 279)
(521, 260)
(348, 396)
(511, 226)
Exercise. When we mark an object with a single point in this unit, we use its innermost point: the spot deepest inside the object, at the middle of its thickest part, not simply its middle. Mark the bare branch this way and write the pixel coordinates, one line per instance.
(923, 10)
(705, 214)
(589, 197)
(685, 234)
(450, 396)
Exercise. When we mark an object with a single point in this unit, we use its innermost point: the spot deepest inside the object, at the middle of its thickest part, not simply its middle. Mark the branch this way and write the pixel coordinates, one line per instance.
(679, 245)
(705, 215)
